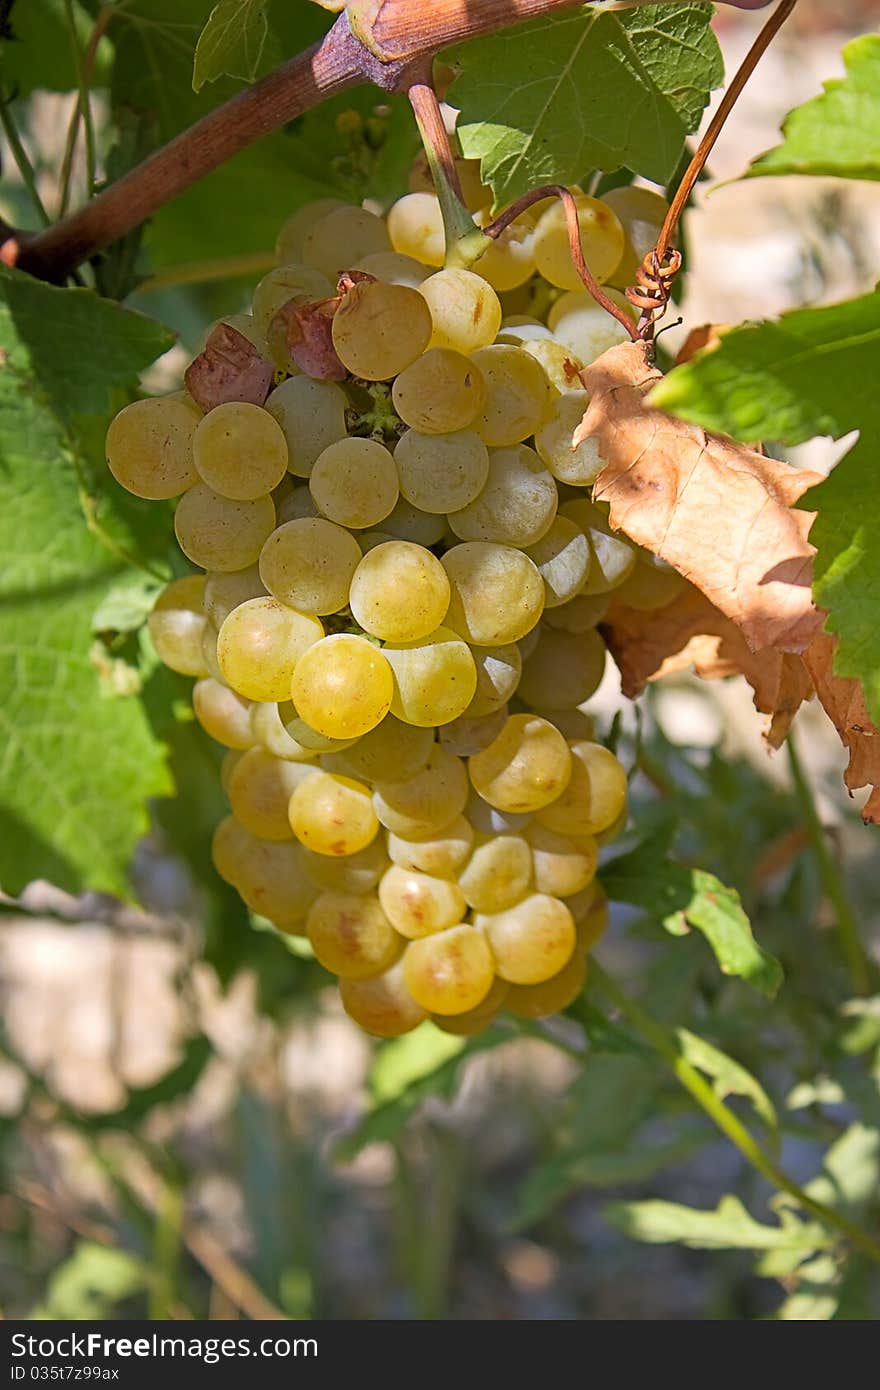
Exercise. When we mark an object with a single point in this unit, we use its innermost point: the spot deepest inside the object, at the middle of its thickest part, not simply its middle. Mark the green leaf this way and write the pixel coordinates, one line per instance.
(39, 53)
(850, 1170)
(402, 1062)
(543, 103)
(837, 133)
(91, 1283)
(730, 1077)
(77, 767)
(817, 1292)
(729, 1227)
(231, 42)
(813, 371)
(680, 896)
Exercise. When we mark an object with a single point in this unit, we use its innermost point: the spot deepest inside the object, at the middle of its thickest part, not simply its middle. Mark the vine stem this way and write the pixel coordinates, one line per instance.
(830, 877)
(464, 240)
(25, 169)
(665, 1044)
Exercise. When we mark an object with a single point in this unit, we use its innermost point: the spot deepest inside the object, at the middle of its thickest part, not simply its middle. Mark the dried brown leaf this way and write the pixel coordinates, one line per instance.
(703, 339)
(720, 513)
(844, 702)
(229, 368)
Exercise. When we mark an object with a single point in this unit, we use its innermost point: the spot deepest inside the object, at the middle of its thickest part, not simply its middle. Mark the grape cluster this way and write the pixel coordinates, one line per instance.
(395, 629)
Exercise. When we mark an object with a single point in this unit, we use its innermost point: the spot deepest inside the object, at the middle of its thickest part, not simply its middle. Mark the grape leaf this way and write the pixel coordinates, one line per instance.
(38, 53)
(231, 42)
(546, 102)
(729, 1076)
(729, 1227)
(838, 132)
(70, 753)
(813, 371)
(680, 897)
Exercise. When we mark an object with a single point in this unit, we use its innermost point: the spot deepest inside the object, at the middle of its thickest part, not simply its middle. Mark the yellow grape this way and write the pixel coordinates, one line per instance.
(218, 533)
(450, 972)
(351, 935)
(498, 873)
(441, 473)
(399, 592)
(177, 625)
(246, 325)
(290, 281)
(498, 673)
(551, 996)
(530, 941)
(442, 854)
(497, 594)
(592, 922)
(260, 788)
(579, 614)
(296, 505)
(350, 873)
(585, 327)
(240, 451)
(510, 259)
(434, 678)
(260, 644)
(465, 310)
(380, 329)
(417, 904)
(517, 504)
(560, 365)
(439, 392)
(289, 242)
(308, 564)
(223, 592)
(612, 557)
(562, 557)
(394, 268)
(477, 1020)
(231, 758)
(311, 415)
(345, 235)
(354, 482)
(581, 466)
(270, 731)
(595, 796)
(224, 715)
(382, 1005)
(342, 686)
(407, 523)
(311, 740)
(650, 584)
(641, 212)
(333, 815)
(150, 446)
(415, 226)
(564, 670)
(402, 748)
(517, 394)
(270, 877)
(228, 848)
(427, 802)
(468, 735)
(525, 768)
(561, 867)
(602, 242)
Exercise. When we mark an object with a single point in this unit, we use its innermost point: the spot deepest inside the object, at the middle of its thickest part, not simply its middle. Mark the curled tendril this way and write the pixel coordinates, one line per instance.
(651, 294)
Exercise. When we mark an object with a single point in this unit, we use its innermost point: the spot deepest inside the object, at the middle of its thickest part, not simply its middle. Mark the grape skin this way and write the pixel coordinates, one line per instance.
(342, 686)
(149, 446)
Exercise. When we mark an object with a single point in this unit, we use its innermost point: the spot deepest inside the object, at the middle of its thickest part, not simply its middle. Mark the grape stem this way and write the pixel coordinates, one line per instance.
(465, 243)
(558, 190)
(666, 1045)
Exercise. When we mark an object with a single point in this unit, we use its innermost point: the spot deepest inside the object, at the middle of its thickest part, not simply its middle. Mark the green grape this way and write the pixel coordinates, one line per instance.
(551, 996)
(270, 731)
(149, 446)
(531, 941)
(224, 715)
(223, 592)
(579, 467)
(177, 625)
(260, 788)
(498, 873)
(510, 260)
(407, 523)
(602, 242)
(650, 584)
(562, 558)
(399, 592)
(564, 670)
(333, 815)
(581, 324)
(498, 673)
(402, 748)
(439, 392)
(526, 767)
(291, 281)
(351, 935)
(380, 329)
(354, 483)
(311, 415)
(580, 613)
(441, 854)
(394, 268)
(441, 473)
(352, 873)
(560, 365)
(467, 735)
(426, 802)
(415, 226)
(342, 686)
(382, 1005)
(335, 242)
(476, 1020)
(641, 212)
(612, 557)
(240, 451)
(450, 972)
(517, 505)
(434, 678)
(289, 242)
(465, 310)
(296, 505)
(217, 533)
(591, 923)
(561, 867)
(497, 594)
(517, 395)
(260, 644)
(308, 564)
(595, 796)
(417, 905)
(269, 875)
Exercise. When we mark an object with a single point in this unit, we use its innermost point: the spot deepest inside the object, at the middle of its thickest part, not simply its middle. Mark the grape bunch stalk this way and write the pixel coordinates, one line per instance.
(399, 576)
